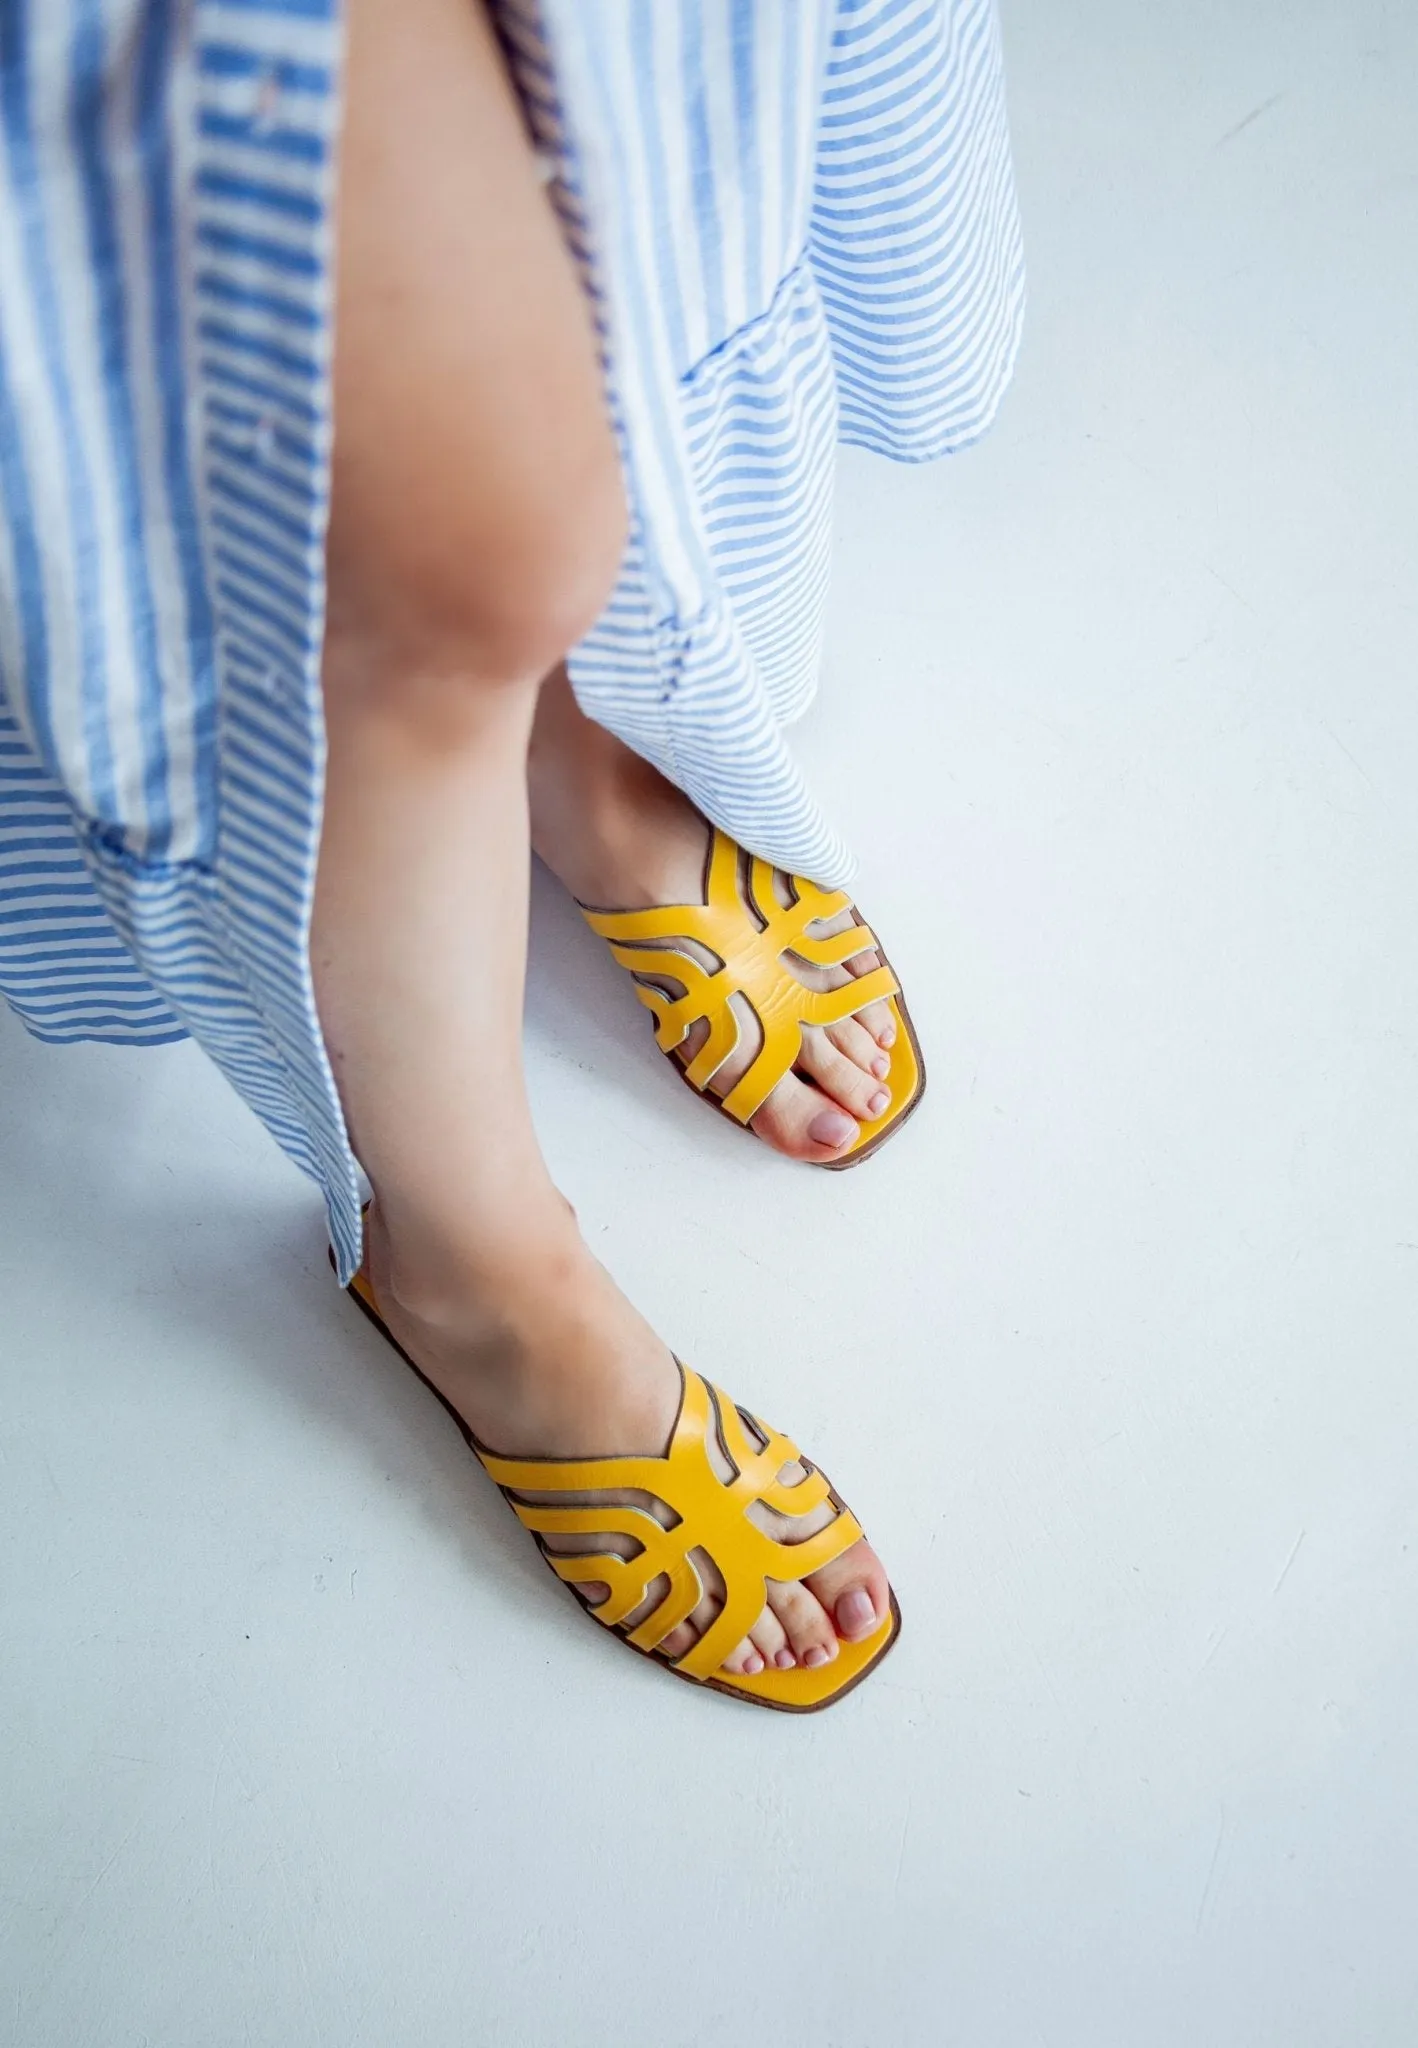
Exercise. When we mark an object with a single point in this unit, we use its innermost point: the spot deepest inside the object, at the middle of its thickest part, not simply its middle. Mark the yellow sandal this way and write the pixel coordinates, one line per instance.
(743, 925)
(710, 1517)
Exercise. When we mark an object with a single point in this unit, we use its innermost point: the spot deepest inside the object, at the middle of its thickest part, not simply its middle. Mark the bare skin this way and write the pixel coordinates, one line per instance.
(476, 528)
(622, 838)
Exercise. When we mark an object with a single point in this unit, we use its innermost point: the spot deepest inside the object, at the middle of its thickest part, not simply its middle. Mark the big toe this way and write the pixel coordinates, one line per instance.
(802, 1122)
(855, 1591)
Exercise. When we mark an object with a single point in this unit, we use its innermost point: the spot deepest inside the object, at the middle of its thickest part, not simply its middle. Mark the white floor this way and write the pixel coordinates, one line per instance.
(1115, 1350)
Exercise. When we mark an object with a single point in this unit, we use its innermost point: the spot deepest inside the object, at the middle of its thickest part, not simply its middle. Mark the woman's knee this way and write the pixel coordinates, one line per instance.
(477, 513)
(460, 602)
(519, 597)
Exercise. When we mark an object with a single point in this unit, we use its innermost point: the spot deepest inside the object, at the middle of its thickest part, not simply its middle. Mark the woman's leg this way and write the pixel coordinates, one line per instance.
(622, 838)
(475, 532)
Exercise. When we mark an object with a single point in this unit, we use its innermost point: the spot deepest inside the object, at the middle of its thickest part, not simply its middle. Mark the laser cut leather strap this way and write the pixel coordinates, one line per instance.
(711, 1524)
(710, 1515)
(750, 933)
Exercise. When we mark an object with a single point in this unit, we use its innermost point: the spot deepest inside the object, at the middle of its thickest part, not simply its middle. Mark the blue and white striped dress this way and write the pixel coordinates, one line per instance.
(796, 221)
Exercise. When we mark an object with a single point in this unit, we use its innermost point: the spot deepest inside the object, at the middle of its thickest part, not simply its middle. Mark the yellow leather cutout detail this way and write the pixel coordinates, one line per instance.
(707, 1515)
(749, 931)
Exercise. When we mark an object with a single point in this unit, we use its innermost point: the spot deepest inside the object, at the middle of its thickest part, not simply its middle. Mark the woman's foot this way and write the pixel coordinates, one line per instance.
(535, 1347)
(477, 520)
(622, 838)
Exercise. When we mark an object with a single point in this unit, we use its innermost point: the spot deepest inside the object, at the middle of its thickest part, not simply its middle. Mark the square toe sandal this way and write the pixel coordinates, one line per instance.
(708, 1517)
(753, 937)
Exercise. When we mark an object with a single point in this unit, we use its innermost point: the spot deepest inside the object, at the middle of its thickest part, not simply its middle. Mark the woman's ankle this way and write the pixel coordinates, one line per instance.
(607, 824)
(467, 1280)
(530, 1341)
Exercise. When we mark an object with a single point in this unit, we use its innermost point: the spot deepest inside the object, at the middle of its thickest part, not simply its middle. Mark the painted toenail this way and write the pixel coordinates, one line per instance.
(752, 1664)
(785, 1660)
(881, 1066)
(831, 1127)
(879, 1101)
(855, 1611)
(815, 1656)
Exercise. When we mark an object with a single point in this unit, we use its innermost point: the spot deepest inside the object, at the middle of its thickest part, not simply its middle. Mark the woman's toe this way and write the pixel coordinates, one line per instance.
(678, 1642)
(860, 1094)
(854, 1590)
(804, 1123)
(860, 1047)
(744, 1662)
(770, 1639)
(806, 1624)
(878, 1018)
